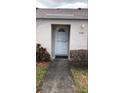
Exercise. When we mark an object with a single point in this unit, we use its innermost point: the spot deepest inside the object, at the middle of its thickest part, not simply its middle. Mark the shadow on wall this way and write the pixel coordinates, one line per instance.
(79, 58)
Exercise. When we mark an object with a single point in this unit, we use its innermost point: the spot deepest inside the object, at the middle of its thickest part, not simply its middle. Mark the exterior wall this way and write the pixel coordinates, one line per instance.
(78, 35)
(79, 57)
(43, 33)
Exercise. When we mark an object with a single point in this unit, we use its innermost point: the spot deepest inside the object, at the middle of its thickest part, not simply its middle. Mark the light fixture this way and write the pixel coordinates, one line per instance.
(82, 26)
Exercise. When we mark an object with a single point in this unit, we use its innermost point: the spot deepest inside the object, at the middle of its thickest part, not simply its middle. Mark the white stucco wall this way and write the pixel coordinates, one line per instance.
(78, 35)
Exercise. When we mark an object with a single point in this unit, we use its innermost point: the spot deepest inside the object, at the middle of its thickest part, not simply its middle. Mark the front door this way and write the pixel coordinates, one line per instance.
(61, 42)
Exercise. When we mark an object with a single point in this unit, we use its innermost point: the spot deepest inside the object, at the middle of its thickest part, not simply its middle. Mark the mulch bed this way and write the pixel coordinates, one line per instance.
(43, 63)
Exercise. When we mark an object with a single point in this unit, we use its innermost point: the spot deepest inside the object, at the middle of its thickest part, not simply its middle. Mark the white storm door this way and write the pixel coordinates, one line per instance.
(61, 42)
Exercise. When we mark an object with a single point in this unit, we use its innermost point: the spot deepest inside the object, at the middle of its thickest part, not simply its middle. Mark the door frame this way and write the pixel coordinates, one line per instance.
(54, 28)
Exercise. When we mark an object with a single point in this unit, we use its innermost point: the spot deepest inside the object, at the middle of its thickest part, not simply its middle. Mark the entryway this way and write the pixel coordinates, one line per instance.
(60, 40)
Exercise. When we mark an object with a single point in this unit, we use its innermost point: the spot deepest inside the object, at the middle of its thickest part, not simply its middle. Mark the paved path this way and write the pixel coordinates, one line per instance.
(58, 79)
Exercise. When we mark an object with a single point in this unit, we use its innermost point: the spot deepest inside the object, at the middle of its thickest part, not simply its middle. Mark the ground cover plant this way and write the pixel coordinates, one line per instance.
(80, 76)
(41, 69)
(42, 54)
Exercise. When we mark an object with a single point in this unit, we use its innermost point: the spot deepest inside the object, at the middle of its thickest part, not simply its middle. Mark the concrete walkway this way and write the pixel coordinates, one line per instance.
(58, 79)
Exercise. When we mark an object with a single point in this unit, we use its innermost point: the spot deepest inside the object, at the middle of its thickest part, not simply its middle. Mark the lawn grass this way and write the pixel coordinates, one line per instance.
(41, 69)
(80, 76)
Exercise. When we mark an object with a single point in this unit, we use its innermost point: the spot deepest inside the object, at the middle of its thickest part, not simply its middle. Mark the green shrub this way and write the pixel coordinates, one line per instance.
(42, 54)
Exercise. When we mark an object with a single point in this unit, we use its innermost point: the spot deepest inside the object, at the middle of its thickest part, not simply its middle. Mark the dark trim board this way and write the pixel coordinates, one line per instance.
(60, 19)
(65, 57)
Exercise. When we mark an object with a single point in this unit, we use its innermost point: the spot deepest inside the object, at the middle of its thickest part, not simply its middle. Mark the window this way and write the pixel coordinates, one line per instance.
(61, 30)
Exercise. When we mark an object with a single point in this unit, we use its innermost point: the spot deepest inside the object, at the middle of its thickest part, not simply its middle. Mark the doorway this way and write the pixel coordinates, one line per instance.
(60, 40)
